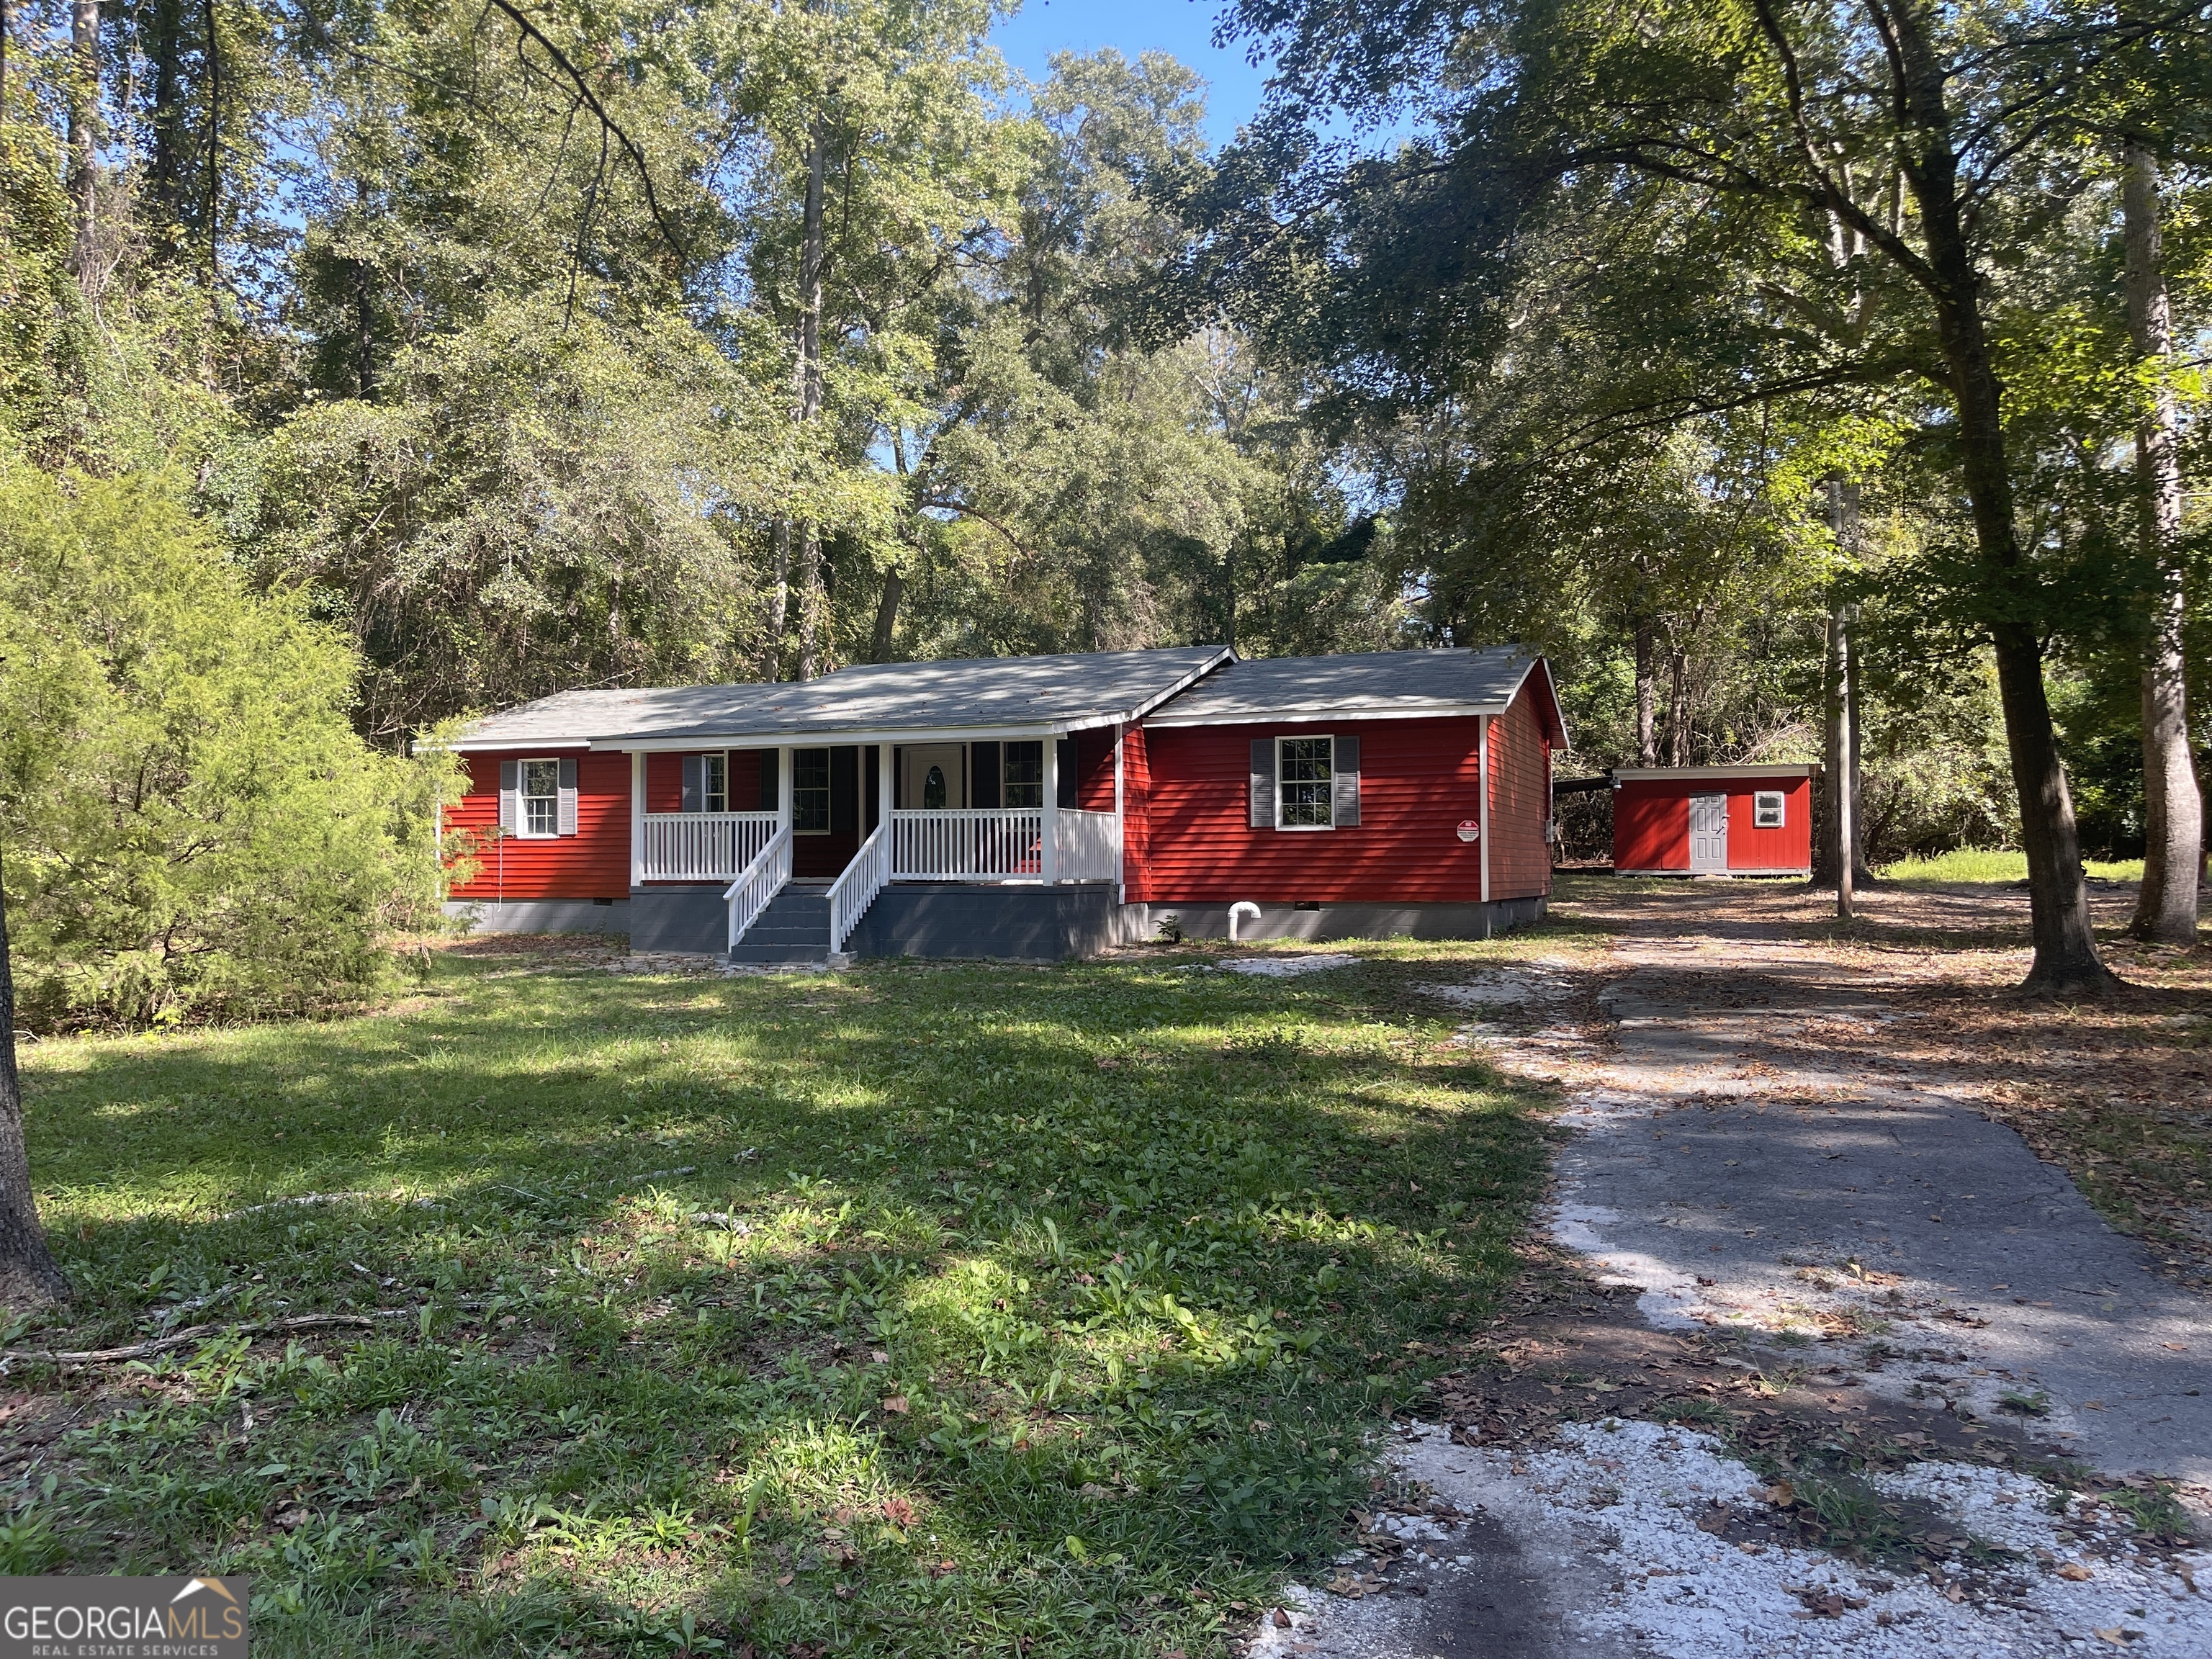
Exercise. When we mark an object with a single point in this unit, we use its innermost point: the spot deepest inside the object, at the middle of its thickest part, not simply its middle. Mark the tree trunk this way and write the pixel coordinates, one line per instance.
(887, 605)
(29, 1276)
(1678, 708)
(166, 172)
(2066, 960)
(778, 607)
(84, 139)
(1838, 834)
(1853, 685)
(2174, 811)
(1647, 695)
(811, 251)
(364, 333)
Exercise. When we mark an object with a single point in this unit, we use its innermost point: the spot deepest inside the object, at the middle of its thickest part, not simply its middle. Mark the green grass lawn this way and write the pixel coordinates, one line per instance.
(917, 1309)
(1976, 865)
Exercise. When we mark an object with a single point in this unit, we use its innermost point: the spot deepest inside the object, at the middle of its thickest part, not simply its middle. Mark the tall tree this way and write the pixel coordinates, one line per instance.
(29, 1275)
(2173, 814)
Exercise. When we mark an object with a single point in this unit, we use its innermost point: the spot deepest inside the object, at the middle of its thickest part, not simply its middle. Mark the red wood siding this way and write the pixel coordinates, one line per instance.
(1136, 818)
(1520, 802)
(1418, 779)
(1650, 825)
(1789, 847)
(663, 782)
(1094, 769)
(593, 863)
(1651, 822)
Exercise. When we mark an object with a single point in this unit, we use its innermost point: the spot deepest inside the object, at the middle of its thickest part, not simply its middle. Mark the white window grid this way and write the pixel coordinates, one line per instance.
(1769, 810)
(1305, 783)
(540, 791)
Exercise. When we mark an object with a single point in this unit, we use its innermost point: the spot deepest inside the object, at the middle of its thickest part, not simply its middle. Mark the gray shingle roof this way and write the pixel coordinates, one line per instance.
(1062, 693)
(1369, 684)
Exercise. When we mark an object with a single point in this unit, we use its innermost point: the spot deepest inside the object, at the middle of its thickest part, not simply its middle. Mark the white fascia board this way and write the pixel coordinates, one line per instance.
(1335, 711)
(519, 746)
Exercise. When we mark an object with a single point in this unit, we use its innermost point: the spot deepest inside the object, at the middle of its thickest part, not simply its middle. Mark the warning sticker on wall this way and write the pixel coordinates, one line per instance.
(1470, 829)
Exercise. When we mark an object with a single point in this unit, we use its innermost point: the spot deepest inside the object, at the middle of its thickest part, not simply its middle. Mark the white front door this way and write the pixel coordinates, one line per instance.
(1708, 833)
(933, 777)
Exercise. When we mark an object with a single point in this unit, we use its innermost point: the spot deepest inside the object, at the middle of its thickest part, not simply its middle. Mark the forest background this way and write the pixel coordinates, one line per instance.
(366, 365)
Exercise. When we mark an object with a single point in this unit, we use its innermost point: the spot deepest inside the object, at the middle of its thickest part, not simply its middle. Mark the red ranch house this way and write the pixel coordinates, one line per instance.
(1029, 807)
(1713, 820)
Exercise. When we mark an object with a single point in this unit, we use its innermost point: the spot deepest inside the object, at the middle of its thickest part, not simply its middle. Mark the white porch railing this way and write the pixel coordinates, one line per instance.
(703, 846)
(981, 844)
(763, 878)
(1001, 844)
(1090, 845)
(857, 888)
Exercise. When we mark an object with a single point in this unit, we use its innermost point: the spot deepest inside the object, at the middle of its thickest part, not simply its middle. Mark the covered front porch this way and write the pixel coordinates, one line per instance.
(809, 824)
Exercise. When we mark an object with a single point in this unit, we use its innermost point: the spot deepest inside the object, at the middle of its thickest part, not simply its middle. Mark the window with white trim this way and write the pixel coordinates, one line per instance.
(1766, 808)
(1305, 771)
(541, 798)
(809, 792)
(714, 782)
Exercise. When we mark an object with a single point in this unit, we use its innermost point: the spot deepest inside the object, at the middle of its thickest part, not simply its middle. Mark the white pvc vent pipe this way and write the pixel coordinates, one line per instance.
(1242, 907)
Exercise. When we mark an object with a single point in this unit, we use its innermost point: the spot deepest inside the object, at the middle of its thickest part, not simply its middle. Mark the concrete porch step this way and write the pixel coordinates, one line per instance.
(793, 929)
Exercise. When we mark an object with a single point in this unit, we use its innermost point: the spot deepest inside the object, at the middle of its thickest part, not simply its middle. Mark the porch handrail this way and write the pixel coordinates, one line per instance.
(763, 878)
(858, 885)
(701, 846)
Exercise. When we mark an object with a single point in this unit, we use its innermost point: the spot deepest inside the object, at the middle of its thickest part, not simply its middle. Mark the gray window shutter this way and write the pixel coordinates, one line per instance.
(769, 803)
(694, 783)
(1343, 791)
(510, 797)
(567, 819)
(1263, 783)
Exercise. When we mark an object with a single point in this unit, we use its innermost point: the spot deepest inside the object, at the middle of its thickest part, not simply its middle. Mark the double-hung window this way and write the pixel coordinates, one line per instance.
(541, 798)
(1303, 769)
(1766, 808)
(714, 782)
(1024, 775)
(809, 792)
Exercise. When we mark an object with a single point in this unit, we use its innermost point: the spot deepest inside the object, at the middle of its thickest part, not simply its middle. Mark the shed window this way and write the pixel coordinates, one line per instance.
(1302, 770)
(1766, 808)
(809, 792)
(541, 798)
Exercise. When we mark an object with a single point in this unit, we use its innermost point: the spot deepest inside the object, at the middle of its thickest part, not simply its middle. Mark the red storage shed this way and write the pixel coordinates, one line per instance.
(1713, 820)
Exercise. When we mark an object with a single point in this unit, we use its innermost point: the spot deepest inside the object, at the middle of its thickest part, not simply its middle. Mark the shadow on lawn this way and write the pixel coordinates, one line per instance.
(1142, 1250)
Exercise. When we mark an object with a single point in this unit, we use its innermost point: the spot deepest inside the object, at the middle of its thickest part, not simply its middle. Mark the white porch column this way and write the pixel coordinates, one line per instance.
(1121, 823)
(1482, 812)
(637, 817)
(1048, 854)
(783, 782)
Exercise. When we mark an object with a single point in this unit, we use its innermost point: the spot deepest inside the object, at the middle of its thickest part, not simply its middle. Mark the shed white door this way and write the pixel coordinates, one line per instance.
(1708, 832)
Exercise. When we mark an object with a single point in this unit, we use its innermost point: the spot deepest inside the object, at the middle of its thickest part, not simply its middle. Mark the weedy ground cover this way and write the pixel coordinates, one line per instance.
(918, 1309)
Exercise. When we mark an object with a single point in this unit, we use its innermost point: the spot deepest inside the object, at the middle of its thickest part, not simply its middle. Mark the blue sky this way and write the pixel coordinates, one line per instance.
(1184, 28)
